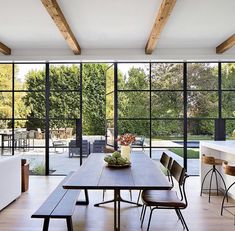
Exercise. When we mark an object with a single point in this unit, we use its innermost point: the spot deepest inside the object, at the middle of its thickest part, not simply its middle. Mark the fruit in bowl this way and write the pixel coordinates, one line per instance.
(116, 160)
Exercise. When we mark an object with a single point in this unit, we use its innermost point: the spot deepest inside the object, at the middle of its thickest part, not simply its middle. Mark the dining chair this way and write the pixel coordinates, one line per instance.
(166, 162)
(167, 199)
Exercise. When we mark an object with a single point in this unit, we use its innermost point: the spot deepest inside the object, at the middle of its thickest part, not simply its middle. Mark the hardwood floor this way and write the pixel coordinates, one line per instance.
(200, 215)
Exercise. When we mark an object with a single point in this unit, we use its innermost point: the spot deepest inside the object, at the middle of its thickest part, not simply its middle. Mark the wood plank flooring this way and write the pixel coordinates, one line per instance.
(200, 215)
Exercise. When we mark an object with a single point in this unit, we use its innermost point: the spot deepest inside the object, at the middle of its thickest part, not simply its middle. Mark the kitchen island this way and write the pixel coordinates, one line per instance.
(224, 150)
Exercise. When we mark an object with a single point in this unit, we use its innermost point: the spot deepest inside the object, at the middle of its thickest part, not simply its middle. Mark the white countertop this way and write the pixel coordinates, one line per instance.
(223, 146)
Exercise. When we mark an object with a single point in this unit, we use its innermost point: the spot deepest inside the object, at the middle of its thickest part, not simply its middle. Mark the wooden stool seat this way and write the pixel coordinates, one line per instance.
(210, 160)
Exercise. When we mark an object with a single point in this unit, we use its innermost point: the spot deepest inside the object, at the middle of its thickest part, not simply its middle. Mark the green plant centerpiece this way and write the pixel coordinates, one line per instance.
(116, 160)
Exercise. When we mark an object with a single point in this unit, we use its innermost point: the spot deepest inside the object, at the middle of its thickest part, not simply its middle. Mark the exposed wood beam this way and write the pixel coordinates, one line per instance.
(227, 44)
(161, 19)
(57, 15)
(4, 49)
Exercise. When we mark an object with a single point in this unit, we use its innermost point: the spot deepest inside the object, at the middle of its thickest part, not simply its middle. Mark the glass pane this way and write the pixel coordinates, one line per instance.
(193, 161)
(5, 76)
(110, 80)
(140, 128)
(22, 105)
(228, 75)
(230, 127)
(64, 104)
(133, 104)
(30, 77)
(36, 159)
(64, 76)
(30, 104)
(5, 105)
(167, 133)
(94, 76)
(167, 104)
(110, 132)
(133, 76)
(228, 104)
(110, 106)
(29, 133)
(202, 76)
(200, 130)
(167, 76)
(202, 104)
(175, 153)
(6, 137)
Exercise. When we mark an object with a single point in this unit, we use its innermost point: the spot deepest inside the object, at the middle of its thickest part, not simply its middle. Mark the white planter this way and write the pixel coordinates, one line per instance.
(126, 151)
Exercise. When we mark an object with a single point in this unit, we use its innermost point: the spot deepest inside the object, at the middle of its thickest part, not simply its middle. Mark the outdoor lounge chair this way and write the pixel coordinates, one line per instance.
(139, 142)
(98, 146)
(75, 151)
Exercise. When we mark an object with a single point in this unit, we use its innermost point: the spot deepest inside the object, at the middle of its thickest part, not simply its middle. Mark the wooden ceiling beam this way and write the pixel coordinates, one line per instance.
(162, 16)
(227, 44)
(57, 15)
(4, 49)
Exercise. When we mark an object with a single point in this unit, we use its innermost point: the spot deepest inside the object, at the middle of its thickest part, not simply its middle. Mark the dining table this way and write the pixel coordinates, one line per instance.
(142, 174)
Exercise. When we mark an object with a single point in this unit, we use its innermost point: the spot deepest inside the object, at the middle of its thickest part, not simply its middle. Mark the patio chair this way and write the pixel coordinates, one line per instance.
(75, 151)
(139, 142)
(58, 143)
(98, 146)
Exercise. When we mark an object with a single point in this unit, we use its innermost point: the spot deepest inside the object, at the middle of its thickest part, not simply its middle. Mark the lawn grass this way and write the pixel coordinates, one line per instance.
(192, 154)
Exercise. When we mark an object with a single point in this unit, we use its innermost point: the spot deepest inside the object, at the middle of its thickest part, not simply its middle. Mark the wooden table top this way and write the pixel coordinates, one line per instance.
(94, 174)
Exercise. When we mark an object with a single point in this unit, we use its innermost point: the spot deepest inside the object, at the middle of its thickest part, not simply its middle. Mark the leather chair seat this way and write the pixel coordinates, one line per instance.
(162, 198)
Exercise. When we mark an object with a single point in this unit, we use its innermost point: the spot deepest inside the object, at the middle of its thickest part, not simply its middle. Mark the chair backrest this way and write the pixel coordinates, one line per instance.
(99, 146)
(179, 174)
(166, 161)
(228, 169)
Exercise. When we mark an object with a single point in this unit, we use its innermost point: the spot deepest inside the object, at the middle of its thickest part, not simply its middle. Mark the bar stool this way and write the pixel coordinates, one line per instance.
(210, 160)
(228, 170)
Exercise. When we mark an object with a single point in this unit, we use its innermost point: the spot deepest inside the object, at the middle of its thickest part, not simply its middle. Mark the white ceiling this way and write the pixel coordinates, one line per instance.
(116, 24)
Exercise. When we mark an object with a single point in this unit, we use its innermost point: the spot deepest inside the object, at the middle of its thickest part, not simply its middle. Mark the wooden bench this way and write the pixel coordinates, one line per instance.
(60, 205)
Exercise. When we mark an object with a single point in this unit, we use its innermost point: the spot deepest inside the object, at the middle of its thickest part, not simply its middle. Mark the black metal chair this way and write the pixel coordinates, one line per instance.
(167, 199)
(166, 162)
(210, 160)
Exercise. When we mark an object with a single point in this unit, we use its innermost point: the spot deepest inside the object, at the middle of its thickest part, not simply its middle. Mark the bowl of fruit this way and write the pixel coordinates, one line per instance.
(117, 161)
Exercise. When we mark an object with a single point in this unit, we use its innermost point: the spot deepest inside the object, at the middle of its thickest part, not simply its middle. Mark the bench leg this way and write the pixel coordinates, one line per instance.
(46, 224)
(69, 223)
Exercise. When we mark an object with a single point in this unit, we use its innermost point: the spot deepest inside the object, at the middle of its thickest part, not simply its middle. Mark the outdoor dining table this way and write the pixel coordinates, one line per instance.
(95, 174)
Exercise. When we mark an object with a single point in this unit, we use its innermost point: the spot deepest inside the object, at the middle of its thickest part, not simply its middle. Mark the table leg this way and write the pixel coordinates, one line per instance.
(121, 200)
(117, 210)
